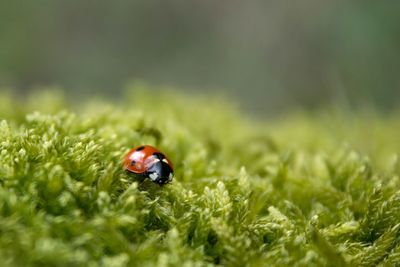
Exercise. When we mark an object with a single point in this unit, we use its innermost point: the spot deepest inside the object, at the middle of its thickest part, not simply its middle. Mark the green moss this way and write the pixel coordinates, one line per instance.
(306, 189)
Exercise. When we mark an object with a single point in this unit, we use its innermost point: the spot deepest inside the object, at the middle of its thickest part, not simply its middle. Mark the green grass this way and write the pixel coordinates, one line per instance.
(316, 189)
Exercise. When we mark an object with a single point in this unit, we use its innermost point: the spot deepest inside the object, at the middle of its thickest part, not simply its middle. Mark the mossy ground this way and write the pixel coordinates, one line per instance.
(317, 189)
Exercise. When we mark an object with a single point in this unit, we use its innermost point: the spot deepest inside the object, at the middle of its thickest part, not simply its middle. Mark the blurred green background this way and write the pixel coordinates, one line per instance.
(269, 56)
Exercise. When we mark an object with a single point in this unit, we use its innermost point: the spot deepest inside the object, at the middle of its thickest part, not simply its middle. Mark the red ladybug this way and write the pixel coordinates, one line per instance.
(149, 162)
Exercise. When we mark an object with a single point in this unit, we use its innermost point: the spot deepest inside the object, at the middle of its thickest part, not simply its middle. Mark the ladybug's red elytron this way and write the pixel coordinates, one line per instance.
(149, 162)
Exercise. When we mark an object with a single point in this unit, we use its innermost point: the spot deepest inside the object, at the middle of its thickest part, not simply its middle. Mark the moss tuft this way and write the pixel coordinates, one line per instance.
(307, 189)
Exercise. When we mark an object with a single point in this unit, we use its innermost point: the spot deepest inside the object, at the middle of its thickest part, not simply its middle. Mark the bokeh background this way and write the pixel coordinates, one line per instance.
(270, 56)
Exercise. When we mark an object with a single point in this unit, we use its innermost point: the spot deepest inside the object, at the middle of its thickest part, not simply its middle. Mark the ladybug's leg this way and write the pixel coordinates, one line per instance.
(140, 177)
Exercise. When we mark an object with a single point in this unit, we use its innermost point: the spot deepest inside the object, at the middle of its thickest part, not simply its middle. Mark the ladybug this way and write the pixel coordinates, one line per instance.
(149, 162)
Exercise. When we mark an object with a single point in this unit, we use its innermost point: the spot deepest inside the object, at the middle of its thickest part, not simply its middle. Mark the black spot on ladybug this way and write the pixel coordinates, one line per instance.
(133, 163)
(158, 155)
(140, 148)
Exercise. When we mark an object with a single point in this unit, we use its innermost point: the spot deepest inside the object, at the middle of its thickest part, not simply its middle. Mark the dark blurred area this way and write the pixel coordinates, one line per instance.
(268, 55)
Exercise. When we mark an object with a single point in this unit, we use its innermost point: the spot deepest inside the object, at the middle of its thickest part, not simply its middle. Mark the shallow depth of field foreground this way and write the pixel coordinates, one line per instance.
(307, 189)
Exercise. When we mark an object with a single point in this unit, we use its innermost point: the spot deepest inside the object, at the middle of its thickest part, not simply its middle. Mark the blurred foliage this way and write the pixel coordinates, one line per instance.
(308, 189)
(270, 54)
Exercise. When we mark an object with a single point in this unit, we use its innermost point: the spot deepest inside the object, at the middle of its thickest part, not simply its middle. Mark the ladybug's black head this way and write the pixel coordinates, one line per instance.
(160, 172)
